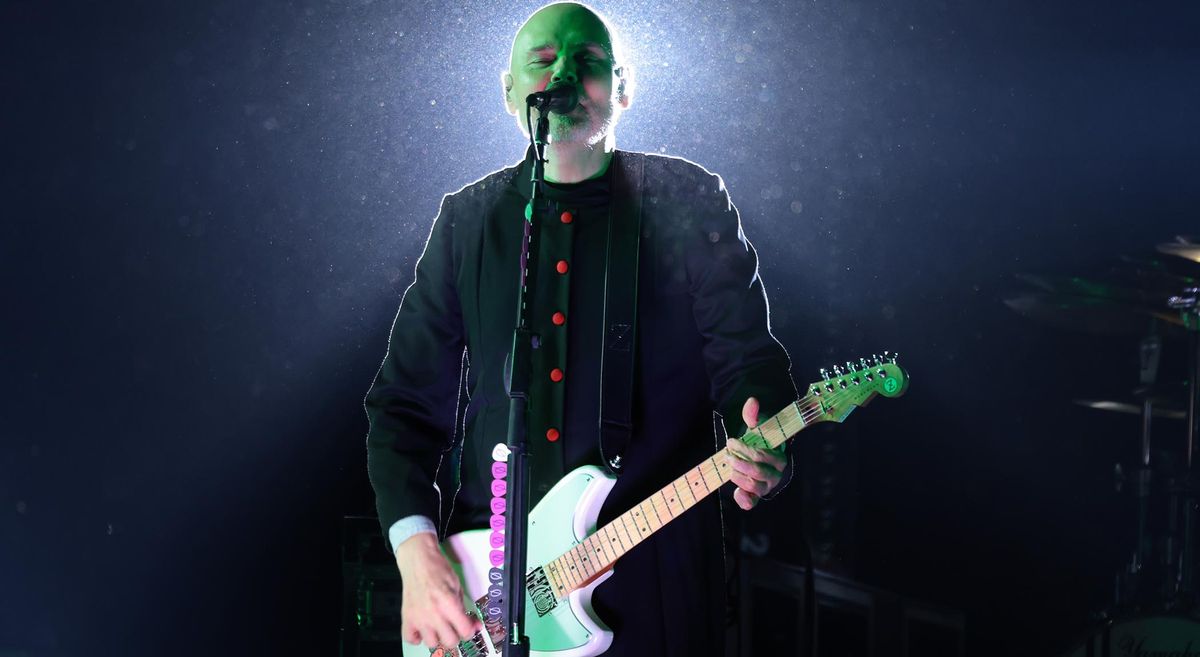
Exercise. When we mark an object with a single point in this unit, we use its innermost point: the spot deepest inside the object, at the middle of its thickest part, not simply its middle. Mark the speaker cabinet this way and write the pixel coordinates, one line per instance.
(853, 619)
(370, 592)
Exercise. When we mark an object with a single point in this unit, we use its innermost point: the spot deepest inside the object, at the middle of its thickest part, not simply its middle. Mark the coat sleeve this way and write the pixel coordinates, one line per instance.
(412, 402)
(742, 357)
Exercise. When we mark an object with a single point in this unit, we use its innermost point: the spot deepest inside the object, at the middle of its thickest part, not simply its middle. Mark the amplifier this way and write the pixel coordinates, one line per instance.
(370, 592)
(853, 619)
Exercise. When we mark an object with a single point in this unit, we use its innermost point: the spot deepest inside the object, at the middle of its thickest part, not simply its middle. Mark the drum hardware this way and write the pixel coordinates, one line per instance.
(1130, 587)
(1162, 294)
(1188, 306)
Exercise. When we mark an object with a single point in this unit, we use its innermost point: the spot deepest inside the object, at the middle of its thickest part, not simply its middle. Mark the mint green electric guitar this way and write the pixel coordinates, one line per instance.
(569, 557)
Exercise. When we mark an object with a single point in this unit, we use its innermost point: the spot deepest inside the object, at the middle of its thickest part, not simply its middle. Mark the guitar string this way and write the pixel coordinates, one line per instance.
(808, 412)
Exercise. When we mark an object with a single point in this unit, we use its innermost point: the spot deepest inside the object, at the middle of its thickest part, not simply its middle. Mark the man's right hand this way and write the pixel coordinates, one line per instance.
(433, 610)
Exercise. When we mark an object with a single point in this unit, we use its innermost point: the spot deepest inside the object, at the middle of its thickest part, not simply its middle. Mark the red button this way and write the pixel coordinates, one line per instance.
(566, 217)
(558, 318)
(552, 434)
(561, 267)
(556, 375)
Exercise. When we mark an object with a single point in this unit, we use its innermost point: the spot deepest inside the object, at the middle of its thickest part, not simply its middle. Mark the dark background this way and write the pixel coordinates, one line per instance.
(212, 209)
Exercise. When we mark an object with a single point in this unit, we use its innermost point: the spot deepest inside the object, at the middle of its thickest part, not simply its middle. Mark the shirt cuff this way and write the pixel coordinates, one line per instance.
(407, 527)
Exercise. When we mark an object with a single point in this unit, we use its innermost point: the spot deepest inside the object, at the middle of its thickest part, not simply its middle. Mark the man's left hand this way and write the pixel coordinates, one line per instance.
(756, 472)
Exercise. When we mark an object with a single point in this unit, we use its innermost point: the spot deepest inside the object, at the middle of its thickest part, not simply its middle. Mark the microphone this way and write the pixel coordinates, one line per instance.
(561, 99)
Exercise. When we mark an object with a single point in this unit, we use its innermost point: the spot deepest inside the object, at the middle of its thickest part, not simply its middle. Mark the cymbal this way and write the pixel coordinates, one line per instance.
(1089, 314)
(1183, 247)
(1131, 295)
(1173, 273)
(1133, 288)
(1132, 409)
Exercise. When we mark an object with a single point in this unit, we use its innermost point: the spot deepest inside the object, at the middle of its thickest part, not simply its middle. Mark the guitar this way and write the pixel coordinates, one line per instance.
(569, 557)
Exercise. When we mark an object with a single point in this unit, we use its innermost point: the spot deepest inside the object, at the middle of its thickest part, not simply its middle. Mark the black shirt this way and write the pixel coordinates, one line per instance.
(589, 204)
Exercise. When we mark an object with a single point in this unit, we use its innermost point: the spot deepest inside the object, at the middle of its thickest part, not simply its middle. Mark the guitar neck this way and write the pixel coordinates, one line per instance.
(596, 554)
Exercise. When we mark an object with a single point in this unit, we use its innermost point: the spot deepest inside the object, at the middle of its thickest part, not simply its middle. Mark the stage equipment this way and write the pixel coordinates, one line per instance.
(1148, 635)
(371, 592)
(1184, 247)
(562, 98)
(852, 618)
(1131, 408)
(1159, 300)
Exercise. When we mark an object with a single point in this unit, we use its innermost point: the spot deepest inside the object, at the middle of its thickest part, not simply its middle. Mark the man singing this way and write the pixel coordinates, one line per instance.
(701, 343)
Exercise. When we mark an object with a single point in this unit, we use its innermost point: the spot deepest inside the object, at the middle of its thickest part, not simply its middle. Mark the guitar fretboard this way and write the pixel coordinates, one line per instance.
(597, 553)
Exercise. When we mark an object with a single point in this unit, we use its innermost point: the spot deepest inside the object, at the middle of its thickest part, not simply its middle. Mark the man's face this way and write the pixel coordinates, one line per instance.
(566, 44)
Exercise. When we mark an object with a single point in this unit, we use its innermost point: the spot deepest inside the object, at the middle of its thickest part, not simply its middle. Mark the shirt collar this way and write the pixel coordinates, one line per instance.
(521, 179)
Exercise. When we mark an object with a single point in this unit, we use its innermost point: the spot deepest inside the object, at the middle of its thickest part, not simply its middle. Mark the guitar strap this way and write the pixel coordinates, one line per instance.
(620, 309)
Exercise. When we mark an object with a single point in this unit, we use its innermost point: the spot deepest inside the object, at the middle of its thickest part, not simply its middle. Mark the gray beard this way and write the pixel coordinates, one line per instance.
(571, 129)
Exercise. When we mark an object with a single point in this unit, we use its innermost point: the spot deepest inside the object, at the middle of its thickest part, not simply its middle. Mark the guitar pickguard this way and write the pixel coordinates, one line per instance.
(557, 627)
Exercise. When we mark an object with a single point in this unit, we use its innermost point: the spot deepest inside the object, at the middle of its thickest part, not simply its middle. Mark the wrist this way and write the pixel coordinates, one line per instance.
(414, 549)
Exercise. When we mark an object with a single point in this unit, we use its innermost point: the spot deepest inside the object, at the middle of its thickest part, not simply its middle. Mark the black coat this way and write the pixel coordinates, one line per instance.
(703, 344)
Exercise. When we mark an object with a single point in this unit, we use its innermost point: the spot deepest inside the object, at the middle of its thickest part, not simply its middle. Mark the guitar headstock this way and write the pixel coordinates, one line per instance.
(844, 388)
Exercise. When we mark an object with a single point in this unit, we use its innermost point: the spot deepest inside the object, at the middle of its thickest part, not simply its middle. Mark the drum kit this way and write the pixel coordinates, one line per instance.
(1156, 300)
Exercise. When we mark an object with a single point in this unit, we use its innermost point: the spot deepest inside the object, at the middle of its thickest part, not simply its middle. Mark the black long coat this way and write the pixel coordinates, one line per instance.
(703, 344)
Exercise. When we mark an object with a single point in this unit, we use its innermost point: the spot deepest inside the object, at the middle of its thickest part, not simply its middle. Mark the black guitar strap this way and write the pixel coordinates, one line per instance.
(620, 309)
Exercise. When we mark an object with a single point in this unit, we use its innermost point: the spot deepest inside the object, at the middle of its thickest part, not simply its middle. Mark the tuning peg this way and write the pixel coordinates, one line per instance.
(837, 371)
(862, 364)
(824, 374)
(850, 367)
(893, 357)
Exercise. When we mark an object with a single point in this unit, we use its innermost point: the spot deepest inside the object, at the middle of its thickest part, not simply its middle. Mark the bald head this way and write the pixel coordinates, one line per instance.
(562, 22)
(569, 43)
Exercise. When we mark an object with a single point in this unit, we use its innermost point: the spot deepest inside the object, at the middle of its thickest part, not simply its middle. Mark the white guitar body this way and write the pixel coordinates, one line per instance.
(564, 517)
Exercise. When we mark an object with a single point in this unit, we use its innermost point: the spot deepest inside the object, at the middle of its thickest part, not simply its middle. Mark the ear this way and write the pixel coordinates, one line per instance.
(623, 76)
(506, 82)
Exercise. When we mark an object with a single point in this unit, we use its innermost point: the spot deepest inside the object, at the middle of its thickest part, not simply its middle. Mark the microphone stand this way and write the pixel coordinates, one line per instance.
(516, 521)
